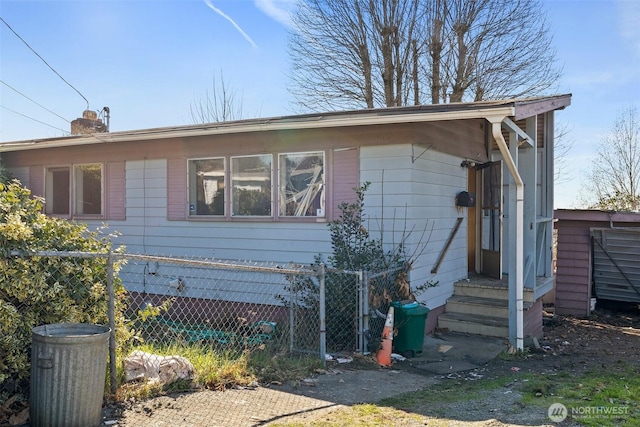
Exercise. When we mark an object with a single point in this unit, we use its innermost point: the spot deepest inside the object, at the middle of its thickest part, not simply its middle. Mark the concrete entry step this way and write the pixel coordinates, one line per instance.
(488, 289)
(474, 324)
(491, 307)
(480, 306)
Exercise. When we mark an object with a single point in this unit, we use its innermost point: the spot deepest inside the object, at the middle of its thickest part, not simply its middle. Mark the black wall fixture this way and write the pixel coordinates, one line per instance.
(466, 199)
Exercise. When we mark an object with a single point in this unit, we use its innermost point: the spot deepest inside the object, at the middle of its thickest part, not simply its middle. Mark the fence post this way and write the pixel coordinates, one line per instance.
(323, 320)
(359, 296)
(291, 316)
(112, 323)
(365, 311)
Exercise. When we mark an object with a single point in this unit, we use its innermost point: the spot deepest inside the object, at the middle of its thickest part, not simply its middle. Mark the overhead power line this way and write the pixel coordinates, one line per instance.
(42, 59)
(38, 104)
(35, 120)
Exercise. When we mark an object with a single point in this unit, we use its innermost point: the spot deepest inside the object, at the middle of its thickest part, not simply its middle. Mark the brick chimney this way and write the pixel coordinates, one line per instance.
(88, 124)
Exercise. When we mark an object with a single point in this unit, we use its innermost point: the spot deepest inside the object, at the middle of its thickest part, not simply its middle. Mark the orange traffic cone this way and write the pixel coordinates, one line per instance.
(384, 354)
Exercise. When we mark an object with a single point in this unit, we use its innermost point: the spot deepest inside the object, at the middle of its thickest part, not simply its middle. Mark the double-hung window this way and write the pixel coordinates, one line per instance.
(77, 189)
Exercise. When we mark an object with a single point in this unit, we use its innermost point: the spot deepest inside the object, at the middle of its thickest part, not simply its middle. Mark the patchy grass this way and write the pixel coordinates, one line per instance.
(513, 354)
(451, 391)
(367, 415)
(281, 367)
(213, 370)
(408, 409)
(219, 370)
(591, 397)
(603, 397)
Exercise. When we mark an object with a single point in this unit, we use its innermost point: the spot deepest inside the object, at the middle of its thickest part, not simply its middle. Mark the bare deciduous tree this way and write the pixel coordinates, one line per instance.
(373, 53)
(497, 49)
(354, 54)
(220, 105)
(615, 174)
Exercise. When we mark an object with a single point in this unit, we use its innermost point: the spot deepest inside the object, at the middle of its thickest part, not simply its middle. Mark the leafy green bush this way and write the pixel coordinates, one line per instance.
(37, 290)
(4, 174)
(355, 249)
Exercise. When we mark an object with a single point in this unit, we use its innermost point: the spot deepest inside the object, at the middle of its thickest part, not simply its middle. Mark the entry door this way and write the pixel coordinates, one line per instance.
(491, 221)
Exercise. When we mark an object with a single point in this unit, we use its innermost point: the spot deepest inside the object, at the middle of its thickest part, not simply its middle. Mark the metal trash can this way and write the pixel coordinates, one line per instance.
(68, 371)
(409, 320)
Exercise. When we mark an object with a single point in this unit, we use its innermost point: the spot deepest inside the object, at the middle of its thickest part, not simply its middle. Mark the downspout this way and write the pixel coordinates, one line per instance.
(496, 129)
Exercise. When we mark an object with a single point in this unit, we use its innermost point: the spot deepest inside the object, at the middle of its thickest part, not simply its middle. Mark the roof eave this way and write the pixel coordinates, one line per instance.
(496, 110)
(531, 107)
(317, 122)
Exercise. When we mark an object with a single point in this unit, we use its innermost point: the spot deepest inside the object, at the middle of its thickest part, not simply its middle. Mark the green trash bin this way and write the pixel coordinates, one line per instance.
(409, 320)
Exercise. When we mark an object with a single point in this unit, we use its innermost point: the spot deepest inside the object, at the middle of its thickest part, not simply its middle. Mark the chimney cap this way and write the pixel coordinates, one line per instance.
(89, 114)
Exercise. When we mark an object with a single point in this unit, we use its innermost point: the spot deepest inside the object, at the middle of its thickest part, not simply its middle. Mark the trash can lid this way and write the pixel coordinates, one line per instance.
(420, 310)
(405, 304)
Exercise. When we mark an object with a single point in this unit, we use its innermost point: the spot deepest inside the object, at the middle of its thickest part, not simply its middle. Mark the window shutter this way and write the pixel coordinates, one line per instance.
(36, 181)
(176, 189)
(115, 191)
(346, 172)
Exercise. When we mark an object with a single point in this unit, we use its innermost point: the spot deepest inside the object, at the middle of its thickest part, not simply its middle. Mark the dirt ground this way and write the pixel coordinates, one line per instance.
(569, 345)
(609, 336)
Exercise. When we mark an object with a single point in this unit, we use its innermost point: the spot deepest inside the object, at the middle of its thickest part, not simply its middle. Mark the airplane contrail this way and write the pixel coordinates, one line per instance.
(228, 18)
(280, 11)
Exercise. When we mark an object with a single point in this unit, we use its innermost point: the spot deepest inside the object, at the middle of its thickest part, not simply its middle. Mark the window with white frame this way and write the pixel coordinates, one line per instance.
(241, 186)
(251, 193)
(79, 192)
(301, 184)
(207, 186)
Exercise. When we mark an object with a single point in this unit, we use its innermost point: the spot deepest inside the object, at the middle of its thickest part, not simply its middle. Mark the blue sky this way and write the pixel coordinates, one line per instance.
(149, 60)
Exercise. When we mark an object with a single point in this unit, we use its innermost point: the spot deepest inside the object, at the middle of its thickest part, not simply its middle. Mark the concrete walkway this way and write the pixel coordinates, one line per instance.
(449, 353)
(309, 399)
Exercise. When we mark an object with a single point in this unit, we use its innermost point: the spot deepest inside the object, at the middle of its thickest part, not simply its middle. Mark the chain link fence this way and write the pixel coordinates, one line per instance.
(228, 305)
(159, 307)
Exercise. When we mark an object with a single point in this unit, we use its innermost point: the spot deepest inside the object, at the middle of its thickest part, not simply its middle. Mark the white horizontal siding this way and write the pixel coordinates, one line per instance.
(148, 231)
(408, 196)
(254, 241)
(21, 174)
(413, 195)
(207, 283)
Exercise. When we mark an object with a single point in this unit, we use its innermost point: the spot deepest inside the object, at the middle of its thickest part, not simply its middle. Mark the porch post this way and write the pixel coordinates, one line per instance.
(516, 241)
(548, 190)
(528, 171)
(512, 244)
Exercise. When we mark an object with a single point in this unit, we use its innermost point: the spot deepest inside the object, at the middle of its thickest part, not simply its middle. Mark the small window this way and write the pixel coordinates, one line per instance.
(301, 184)
(206, 187)
(57, 191)
(88, 189)
(251, 185)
